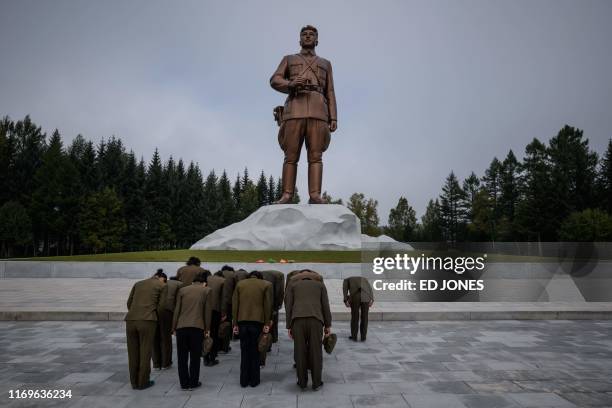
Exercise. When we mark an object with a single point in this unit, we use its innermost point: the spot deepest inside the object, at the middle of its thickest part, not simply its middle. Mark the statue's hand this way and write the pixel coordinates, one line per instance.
(333, 125)
(297, 81)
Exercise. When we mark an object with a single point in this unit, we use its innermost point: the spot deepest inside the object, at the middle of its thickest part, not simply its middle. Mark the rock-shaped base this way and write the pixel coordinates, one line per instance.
(290, 227)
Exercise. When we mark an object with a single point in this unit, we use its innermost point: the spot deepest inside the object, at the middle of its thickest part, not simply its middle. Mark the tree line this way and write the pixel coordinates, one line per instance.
(559, 191)
(86, 198)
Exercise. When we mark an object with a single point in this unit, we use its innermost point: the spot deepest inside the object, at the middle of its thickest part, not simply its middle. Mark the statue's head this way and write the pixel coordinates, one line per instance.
(309, 37)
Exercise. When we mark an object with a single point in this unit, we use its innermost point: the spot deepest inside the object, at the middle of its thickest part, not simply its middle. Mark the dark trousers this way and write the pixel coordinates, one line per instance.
(189, 347)
(214, 334)
(225, 343)
(249, 356)
(162, 349)
(307, 349)
(140, 336)
(274, 330)
(358, 308)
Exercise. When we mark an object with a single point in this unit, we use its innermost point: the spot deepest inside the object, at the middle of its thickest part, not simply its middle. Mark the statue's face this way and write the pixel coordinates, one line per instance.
(308, 39)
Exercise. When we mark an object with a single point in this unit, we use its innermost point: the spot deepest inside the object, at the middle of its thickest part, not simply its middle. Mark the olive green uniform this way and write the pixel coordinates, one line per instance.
(307, 310)
(358, 293)
(140, 325)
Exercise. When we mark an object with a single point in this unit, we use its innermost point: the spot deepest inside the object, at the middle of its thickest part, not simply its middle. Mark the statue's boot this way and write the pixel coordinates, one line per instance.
(288, 180)
(315, 179)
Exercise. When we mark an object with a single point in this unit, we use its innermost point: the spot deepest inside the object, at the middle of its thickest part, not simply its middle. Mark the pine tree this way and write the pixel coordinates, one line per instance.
(55, 202)
(534, 211)
(15, 228)
(605, 180)
(471, 187)
(262, 190)
(249, 199)
(402, 221)
(111, 163)
(330, 200)
(451, 209)
(102, 223)
(226, 201)
(180, 224)
(492, 185)
(194, 208)
(573, 170)
(83, 156)
(236, 193)
(271, 190)
(509, 197)
(158, 205)
(211, 204)
(7, 160)
(296, 196)
(133, 196)
(29, 143)
(432, 222)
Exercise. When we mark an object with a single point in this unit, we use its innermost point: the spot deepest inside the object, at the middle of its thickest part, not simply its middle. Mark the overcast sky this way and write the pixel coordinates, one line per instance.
(423, 87)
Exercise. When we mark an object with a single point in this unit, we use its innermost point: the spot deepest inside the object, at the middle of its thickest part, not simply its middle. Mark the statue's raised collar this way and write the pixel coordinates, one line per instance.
(308, 52)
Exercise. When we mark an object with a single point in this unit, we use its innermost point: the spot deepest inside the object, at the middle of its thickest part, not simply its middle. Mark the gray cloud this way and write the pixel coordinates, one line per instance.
(422, 87)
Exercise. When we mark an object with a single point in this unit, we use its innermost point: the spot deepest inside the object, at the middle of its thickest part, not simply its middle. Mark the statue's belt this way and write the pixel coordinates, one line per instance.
(311, 88)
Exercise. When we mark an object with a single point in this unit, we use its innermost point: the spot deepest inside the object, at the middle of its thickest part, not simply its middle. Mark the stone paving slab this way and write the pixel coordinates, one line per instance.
(91, 299)
(471, 364)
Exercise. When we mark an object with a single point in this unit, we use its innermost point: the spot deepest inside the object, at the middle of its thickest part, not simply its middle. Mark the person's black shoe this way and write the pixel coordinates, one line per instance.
(352, 338)
(169, 366)
(316, 388)
(213, 363)
(147, 385)
(255, 384)
(185, 388)
(294, 365)
(206, 363)
(199, 384)
(363, 338)
(302, 387)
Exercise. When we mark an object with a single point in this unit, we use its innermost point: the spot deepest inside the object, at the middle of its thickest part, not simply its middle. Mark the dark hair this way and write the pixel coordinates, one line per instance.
(202, 277)
(219, 273)
(174, 278)
(193, 260)
(160, 274)
(205, 274)
(227, 268)
(257, 274)
(309, 27)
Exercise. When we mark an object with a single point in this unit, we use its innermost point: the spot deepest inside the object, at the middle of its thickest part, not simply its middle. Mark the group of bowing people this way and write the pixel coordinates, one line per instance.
(205, 311)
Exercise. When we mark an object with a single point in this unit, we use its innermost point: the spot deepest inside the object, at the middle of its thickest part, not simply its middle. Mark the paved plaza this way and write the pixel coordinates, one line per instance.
(486, 364)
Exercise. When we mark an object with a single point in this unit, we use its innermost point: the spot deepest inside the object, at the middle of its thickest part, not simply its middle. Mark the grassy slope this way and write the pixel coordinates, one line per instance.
(181, 255)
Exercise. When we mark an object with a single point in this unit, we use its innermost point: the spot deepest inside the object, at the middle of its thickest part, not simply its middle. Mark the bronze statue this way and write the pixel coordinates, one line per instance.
(309, 113)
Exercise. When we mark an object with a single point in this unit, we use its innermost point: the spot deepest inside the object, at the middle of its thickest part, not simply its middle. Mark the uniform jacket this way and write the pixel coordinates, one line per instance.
(307, 104)
(252, 301)
(168, 294)
(144, 299)
(216, 284)
(357, 289)
(228, 291)
(193, 307)
(187, 273)
(240, 274)
(307, 297)
(277, 279)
